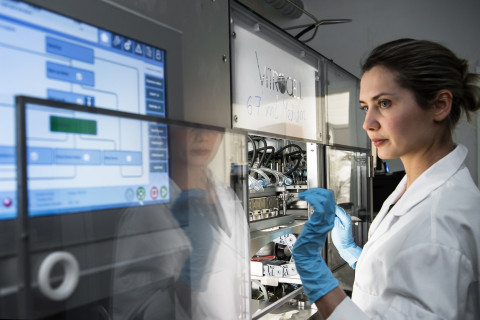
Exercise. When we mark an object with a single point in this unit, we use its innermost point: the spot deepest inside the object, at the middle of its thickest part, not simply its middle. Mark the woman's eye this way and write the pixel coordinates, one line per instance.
(384, 103)
(364, 108)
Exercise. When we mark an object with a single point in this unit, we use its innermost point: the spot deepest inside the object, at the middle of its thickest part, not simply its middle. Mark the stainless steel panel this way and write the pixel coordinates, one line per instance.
(198, 91)
(271, 222)
(260, 238)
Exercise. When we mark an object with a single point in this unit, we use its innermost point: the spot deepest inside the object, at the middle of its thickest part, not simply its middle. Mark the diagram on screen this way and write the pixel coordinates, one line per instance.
(79, 159)
(49, 56)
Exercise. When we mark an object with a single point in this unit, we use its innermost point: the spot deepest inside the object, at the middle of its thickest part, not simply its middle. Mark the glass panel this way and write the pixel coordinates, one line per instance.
(133, 218)
(347, 178)
(207, 262)
(275, 81)
(344, 117)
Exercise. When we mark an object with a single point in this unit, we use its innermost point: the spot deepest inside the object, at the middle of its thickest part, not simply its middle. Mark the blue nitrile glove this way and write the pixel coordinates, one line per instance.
(342, 238)
(317, 279)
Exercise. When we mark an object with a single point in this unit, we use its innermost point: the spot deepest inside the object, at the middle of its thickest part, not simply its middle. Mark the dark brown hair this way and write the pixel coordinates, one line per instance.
(425, 68)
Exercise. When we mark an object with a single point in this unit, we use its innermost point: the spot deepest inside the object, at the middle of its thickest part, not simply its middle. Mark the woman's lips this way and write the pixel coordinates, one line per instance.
(201, 152)
(378, 142)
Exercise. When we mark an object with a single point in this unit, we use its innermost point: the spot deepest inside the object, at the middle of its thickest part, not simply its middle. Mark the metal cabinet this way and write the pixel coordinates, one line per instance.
(127, 255)
(291, 100)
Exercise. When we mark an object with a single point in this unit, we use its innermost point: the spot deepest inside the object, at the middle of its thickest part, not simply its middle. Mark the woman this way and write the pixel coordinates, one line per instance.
(201, 247)
(214, 221)
(421, 259)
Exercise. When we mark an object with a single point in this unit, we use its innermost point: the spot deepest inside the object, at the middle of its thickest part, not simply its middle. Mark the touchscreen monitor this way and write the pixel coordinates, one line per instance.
(51, 56)
(86, 159)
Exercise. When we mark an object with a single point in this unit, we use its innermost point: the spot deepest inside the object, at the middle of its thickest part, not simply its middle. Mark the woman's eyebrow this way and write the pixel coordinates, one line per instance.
(375, 98)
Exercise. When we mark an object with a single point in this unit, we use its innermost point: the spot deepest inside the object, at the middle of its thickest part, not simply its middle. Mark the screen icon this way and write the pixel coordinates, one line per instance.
(138, 49)
(154, 193)
(141, 193)
(7, 202)
(128, 45)
(148, 52)
(164, 192)
(117, 41)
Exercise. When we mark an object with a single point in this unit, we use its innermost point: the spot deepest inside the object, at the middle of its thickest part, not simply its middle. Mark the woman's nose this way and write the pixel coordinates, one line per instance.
(205, 134)
(370, 122)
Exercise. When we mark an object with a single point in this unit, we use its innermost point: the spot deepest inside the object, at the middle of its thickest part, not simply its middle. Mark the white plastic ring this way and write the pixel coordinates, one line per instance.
(70, 280)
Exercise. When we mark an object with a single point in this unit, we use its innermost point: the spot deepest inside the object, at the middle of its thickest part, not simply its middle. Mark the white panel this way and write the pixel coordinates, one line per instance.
(274, 91)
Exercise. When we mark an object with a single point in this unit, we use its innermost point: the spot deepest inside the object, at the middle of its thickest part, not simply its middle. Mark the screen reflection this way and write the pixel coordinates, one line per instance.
(187, 259)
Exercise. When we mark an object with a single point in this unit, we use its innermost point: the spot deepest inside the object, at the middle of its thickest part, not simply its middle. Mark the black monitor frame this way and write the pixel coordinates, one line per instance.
(37, 236)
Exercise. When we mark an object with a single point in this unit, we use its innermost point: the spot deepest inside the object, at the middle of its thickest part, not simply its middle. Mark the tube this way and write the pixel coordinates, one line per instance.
(260, 172)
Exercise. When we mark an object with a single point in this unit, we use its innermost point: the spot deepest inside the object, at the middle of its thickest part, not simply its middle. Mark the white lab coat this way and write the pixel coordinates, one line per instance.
(421, 259)
(226, 295)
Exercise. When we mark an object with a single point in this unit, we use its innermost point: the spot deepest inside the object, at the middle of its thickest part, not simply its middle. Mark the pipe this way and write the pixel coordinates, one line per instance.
(287, 8)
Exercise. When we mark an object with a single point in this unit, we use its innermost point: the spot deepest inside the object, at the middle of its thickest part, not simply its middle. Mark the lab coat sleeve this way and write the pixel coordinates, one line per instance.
(427, 281)
(347, 310)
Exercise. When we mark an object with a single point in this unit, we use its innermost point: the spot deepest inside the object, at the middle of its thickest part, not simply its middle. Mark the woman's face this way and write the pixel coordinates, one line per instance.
(194, 146)
(394, 121)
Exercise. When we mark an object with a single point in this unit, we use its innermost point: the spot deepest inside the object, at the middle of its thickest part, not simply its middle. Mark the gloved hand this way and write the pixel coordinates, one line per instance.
(317, 279)
(342, 238)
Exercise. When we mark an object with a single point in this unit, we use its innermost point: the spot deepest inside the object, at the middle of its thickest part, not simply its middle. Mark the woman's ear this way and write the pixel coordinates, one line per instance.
(442, 105)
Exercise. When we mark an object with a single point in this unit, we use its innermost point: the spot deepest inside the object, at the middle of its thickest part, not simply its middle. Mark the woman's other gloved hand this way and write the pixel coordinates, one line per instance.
(342, 238)
(317, 279)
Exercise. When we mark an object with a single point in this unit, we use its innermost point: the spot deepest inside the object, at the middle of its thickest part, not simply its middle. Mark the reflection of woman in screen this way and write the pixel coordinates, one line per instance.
(150, 249)
(198, 242)
(212, 283)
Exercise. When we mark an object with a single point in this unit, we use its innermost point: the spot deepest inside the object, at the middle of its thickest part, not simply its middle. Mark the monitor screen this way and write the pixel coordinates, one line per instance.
(85, 159)
(47, 55)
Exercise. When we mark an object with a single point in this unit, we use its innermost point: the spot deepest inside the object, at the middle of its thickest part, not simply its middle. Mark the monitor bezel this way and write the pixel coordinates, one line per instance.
(38, 235)
(21, 104)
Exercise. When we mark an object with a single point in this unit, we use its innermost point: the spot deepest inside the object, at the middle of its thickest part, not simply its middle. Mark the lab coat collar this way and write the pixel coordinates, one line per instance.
(422, 187)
